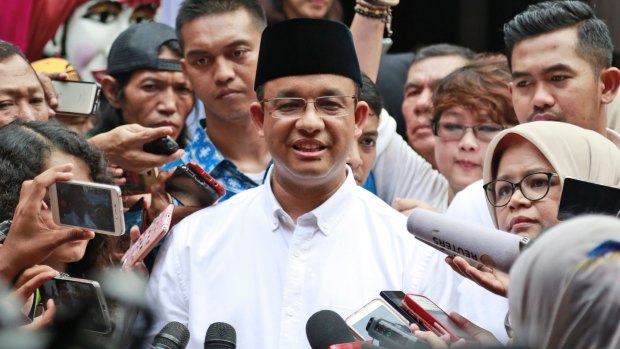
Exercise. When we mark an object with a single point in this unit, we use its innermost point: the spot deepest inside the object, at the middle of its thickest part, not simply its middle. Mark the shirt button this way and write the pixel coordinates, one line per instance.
(296, 253)
(290, 312)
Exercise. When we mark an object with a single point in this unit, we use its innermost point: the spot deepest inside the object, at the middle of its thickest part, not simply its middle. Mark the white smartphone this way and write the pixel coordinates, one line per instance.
(377, 309)
(93, 206)
(76, 97)
(70, 294)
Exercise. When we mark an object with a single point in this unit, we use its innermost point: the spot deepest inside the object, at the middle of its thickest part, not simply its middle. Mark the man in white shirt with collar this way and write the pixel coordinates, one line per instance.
(309, 239)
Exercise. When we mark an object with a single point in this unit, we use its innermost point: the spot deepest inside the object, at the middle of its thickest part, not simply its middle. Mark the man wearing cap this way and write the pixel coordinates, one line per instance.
(308, 239)
(144, 83)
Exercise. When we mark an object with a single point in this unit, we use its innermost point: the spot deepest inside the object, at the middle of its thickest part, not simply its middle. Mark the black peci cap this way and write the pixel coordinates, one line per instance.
(305, 46)
(137, 48)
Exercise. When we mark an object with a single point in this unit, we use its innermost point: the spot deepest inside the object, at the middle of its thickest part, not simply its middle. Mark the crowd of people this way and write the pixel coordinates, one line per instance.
(279, 102)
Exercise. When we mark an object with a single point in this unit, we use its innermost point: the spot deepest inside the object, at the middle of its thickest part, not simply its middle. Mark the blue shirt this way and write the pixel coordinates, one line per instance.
(203, 152)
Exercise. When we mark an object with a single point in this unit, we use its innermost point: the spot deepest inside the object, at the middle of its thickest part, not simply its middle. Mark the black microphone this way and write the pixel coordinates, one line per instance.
(220, 335)
(327, 330)
(391, 336)
(174, 335)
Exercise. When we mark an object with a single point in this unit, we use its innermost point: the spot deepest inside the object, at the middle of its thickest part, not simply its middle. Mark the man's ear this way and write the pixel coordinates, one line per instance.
(510, 87)
(361, 113)
(610, 79)
(258, 117)
(111, 91)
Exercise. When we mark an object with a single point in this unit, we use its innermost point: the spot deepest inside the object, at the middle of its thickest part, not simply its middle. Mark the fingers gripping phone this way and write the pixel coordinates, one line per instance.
(93, 206)
(72, 294)
(139, 183)
(377, 309)
(395, 300)
(193, 186)
(149, 239)
(433, 318)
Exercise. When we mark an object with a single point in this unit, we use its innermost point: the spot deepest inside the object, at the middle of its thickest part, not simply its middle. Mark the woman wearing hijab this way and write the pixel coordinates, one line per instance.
(580, 261)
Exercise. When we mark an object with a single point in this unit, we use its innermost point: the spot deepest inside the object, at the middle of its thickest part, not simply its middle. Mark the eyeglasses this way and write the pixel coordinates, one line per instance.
(451, 131)
(533, 187)
(325, 106)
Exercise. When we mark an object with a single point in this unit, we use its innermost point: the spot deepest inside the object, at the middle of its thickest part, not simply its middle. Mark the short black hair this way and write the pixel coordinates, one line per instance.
(594, 39)
(370, 94)
(441, 50)
(24, 150)
(193, 9)
(8, 50)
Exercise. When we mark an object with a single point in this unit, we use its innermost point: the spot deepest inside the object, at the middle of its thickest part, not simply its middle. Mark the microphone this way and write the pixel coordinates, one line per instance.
(326, 329)
(475, 243)
(174, 335)
(392, 337)
(220, 335)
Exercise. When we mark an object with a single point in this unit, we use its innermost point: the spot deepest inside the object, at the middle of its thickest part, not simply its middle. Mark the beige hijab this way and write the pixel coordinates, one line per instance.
(562, 298)
(571, 150)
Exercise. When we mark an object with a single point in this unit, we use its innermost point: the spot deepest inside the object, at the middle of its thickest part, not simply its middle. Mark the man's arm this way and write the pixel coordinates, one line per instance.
(123, 146)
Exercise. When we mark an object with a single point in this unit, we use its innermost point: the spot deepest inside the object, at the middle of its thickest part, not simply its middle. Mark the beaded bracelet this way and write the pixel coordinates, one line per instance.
(376, 12)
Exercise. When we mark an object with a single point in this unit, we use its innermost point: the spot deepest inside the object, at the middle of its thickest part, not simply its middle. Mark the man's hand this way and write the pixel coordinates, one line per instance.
(25, 286)
(160, 199)
(124, 147)
(33, 236)
(481, 335)
(492, 279)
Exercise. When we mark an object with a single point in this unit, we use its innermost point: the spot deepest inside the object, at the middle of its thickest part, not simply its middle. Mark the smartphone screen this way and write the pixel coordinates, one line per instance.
(395, 300)
(376, 309)
(85, 206)
(583, 197)
(70, 295)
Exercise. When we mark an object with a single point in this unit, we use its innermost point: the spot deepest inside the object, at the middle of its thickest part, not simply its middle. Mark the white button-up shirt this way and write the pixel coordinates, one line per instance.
(245, 262)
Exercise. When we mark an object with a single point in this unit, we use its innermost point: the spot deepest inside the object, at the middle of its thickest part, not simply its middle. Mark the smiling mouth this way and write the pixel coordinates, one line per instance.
(308, 147)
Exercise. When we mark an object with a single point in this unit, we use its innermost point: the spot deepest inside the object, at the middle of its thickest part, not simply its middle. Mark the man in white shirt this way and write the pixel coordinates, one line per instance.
(309, 239)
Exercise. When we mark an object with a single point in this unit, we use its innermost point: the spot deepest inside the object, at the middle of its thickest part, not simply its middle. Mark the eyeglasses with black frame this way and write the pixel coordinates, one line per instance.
(295, 107)
(452, 131)
(533, 187)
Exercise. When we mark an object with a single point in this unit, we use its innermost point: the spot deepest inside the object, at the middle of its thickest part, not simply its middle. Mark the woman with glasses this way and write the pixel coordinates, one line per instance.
(471, 106)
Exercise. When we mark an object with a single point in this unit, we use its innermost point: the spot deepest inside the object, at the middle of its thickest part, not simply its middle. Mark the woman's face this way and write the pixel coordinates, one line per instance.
(71, 251)
(460, 160)
(158, 98)
(92, 28)
(522, 216)
(307, 8)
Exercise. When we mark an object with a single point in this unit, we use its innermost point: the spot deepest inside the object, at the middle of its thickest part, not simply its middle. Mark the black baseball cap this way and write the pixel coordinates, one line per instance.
(137, 48)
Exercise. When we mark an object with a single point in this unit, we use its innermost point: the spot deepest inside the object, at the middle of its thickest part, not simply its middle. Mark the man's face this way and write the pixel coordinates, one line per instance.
(21, 94)
(158, 98)
(552, 82)
(311, 149)
(221, 52)
(364, 150)
(307, 8)
(417, 106)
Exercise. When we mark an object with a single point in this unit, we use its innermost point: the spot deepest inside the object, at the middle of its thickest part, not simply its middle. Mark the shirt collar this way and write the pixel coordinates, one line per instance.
(326, 216)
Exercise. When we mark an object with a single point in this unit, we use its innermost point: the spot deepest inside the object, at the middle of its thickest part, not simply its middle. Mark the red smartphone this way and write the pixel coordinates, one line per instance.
(193, 186)
(149, 239)
(432, 317)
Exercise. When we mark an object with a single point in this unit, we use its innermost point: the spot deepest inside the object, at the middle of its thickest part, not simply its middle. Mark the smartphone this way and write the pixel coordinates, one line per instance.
(161, 146)
(376, 309)
(433, 318)
(583, 197)
(93, 206)
(193, 186)
(135, 215)
(395, 300)
(76, 97)
(139, 183)
(149, 239)
(70, 294)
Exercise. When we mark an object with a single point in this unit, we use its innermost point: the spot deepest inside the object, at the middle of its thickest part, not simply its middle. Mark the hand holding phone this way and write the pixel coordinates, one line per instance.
(139, 183)
(72, 294)
(193, 186)
(149, 239)
(76, 97)
(433, 317)
(377, 309)
(87, 205)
